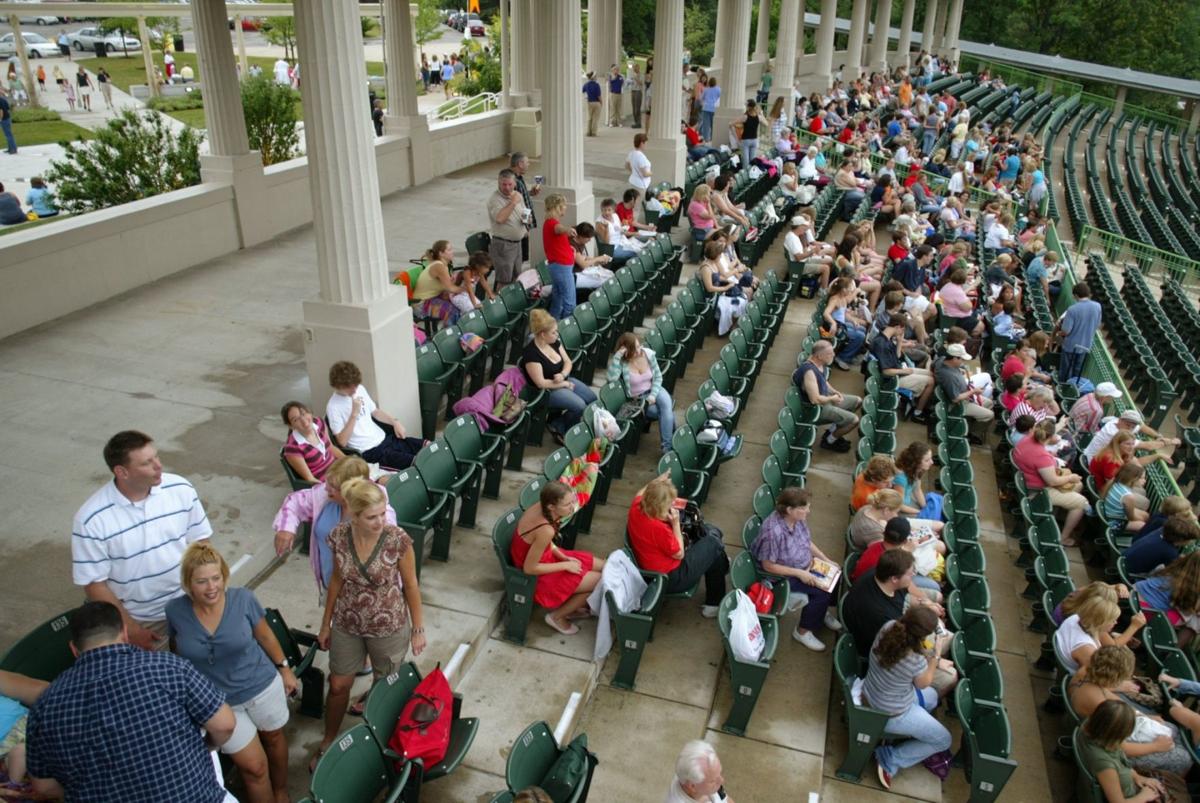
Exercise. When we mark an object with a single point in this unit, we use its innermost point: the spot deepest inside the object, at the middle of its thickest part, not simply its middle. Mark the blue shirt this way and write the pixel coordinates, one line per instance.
(1148, 553)
(10, 711)
(615, 84)
(592, 90)
(231, 657)
(331, 516)
(710, 99)
(1080, 323)
(42, 201)
(1012, 166)
(1153, 591)
(910, 274)
(894, 129)
(1036, 271)
(124, 724)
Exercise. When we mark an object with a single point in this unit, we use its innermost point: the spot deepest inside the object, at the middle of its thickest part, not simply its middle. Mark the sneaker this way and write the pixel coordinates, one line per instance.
(840, 445)
(710, 611)
(842, 365)
(809, 640)
(885, 777)
(832, 623)
(919, 416)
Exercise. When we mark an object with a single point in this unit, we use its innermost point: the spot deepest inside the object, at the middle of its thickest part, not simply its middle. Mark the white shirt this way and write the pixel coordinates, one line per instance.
(996, 236)
(957, 182)
(1099, 441)
(807, 169)
(638, 162)
(281, 72)
(366, 434)
(1070, 637)
(137, 546)
(676, 795)
(793, 246)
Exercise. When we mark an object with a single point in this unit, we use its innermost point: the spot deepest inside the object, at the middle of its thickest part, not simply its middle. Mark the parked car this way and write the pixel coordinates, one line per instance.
(36, 45)
(86, 39)
(40, 19)
(475, 26)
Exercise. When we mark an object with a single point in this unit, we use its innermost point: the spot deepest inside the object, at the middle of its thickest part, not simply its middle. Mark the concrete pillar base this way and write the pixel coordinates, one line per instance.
(416, 128)
(245, 173)
(378, 337)
(581, 207)
(669, 158)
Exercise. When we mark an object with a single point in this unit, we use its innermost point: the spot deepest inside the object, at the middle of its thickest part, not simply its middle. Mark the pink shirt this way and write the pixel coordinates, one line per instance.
(1031, 456)
(955, 301)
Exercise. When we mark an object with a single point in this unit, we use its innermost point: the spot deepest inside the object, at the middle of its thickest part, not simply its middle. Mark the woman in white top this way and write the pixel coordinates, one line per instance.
(1080, 633)
(638, 165)
(609, 232)
(999, 236)
(808, 172)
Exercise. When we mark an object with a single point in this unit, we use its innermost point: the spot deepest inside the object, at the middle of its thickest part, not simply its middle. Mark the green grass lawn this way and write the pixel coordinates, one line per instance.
(131, 70)
(42, 132)
(23, 226)
(193, 117)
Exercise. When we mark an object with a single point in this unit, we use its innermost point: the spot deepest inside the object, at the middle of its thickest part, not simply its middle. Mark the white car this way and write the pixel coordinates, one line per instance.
(86, 39)
(40, 19)
(36, 45)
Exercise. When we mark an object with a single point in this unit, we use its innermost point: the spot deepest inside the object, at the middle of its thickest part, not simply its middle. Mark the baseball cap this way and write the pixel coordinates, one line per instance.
(799, 220)
(957, 350)
(898, 526)
(1131, 415)
(1109, 390)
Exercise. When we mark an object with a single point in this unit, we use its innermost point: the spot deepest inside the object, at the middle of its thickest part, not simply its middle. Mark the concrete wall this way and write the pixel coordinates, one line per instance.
(58, 268)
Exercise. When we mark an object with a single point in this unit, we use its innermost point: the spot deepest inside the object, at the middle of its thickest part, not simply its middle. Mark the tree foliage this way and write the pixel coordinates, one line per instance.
(428, 22)
(281, 32)
(137, 155)
(700, 29)
(270, 112)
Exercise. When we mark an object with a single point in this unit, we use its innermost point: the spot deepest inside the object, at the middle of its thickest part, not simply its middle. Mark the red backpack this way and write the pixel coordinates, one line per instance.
(762, 595)
(423, 729)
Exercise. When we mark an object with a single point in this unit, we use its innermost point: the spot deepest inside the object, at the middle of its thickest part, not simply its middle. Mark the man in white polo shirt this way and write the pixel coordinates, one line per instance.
(128, 539)
(1129, 421)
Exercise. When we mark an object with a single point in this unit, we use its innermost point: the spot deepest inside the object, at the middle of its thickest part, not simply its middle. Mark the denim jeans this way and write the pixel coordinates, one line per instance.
(6, 126)
(855, 338)
(571, 401)
(925, 584)
(706, 124)
(662, 410)
(562, 301)
(749, 149)
(1070, 365)
(928, 737)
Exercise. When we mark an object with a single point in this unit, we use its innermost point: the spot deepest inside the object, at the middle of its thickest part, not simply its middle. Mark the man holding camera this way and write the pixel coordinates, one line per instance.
(510, 220)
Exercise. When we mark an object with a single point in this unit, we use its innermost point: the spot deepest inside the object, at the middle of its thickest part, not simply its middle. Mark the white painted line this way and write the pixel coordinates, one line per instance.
(456, 661)
(568, 714)
(242, 561)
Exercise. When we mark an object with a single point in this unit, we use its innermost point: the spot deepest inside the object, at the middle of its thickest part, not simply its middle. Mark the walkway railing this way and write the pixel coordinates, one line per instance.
(1153, 262)
(455, 108)
(1017, 75)
(1131, 110)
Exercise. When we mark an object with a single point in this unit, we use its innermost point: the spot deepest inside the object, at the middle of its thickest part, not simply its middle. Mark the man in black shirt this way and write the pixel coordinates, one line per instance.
(886, 348)
(519, 163)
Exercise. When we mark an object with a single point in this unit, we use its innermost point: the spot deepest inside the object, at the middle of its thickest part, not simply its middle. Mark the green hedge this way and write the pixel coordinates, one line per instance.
(35, 116)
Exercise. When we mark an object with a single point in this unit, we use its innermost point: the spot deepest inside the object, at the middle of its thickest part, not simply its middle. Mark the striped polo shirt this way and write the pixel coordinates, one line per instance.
(137, 546)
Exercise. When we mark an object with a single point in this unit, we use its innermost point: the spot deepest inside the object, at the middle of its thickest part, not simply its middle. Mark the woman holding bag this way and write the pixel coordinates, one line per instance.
(637, 367)
(373, 607)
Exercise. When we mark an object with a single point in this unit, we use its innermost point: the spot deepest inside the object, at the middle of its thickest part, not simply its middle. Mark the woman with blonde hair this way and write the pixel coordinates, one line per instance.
(1114, 592)
(866, 526)
(1082, 633)
(560, 256)
(373, 607)
(547, 367)
(565, 577)
(656, 538)
(223, 632)
(1175, 590)
(1109, 676)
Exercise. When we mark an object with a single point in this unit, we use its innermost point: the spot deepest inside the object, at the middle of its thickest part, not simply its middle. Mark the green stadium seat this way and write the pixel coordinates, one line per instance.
(43, 653)
(532, 757)
(518, 586)
(300, 648)
(865, 725)
(353, 770)
(746, 677)
(443, 474)
(634, 628)
(986, 744)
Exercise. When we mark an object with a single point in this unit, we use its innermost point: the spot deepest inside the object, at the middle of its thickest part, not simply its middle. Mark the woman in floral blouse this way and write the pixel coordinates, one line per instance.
(373, 607)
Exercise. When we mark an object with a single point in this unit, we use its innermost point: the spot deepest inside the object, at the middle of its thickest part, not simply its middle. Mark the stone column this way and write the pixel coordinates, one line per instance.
(243, 62)
(721, 33)
(360, 315)
(1119, 104)
(939, 27)
(665, 150)
(562, 114)
(505, 56)
(790, 29)
(27, 75)
(904, 45)
(524, 51)
(930, 19)
(823, 77)
(879, 45)
(602, 42)
(762, 33)
(517, 57)
(953, 25)
(403, 119)
(148, 56)
(733, 75)
(854, 51)
(1193, 110)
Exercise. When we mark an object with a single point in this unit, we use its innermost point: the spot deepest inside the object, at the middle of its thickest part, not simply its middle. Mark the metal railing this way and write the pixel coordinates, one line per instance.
(1153, 262)
(1133, 110)
(456, 108)
(1017, 75)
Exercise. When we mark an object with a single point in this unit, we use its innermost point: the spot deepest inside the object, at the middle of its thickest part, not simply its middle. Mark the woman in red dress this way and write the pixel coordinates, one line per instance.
(564, 577)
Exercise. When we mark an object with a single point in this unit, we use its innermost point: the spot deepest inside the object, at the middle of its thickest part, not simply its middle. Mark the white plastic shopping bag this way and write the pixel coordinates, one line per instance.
(745, 633)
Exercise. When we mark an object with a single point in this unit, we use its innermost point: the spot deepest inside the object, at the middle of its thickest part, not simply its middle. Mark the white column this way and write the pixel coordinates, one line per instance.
(559, 58)
(904, 45)
(602, 46)
(733, 74)
(762, 33)
(517, 55)
(596, 12)
(529, 40)
(243, 62)
(953, 25)
(939, 27)
(930, 19)
(360, 315)
(823, 77)
(505, 56)
(721, 33)
(1119, 103)
(854, 51)
(879, 45)
(403, 119)
(218, 76)
(666, 151)
(148, 57)
(1193, 109)
(31, 85)
(785, 53)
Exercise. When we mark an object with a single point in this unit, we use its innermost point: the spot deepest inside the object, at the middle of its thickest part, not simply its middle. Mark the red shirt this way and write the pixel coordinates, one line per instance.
(1011, 400)
(693, 136)
(866, 561)
(625, 215)
(897, 252)
(1030, 456)
(1103, 469)
(817, 125)
(653, 540)
(846, 135)
(557, 246)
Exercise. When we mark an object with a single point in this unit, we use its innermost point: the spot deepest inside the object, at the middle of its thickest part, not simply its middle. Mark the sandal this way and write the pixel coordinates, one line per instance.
(1068, 542)
(356, 708)
(315, 760)
(569, 630)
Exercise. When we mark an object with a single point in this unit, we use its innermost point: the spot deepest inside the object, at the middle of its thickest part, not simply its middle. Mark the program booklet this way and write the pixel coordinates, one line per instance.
(826, 573)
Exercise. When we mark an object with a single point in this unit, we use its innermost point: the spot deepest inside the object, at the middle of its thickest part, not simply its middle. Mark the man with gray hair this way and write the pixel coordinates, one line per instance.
(519, 163)
(510, 219)
(698, 776)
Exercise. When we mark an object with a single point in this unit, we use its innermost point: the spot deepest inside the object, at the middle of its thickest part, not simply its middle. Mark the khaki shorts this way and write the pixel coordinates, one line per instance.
(266, 711)
(348, 653)
(916, 382)
(812, 268)
(841, 413)
(976, 413)
(1072, 500)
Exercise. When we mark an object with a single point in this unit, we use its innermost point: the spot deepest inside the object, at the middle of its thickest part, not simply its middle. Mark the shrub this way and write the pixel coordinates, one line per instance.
(135, 156)
(35, 116)
(270, 111)
(176, 104)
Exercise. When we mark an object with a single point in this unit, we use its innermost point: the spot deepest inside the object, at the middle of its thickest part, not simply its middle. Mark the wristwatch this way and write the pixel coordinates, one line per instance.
(283, 664)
